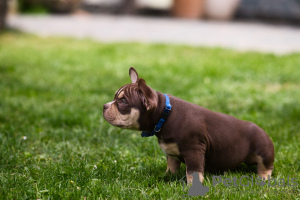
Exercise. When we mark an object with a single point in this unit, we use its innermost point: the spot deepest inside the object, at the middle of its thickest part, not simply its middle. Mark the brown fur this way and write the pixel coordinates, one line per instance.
(196, 136)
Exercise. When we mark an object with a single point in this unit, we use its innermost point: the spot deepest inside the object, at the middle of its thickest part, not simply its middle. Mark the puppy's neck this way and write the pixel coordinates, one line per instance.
(157, 113)
(150, 119)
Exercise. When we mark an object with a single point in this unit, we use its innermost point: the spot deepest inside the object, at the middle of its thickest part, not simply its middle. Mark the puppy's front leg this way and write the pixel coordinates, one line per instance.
(195, 162)
(173, 164)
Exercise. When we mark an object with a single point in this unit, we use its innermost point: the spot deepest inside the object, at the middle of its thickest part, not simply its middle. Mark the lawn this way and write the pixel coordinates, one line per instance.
(55, 143)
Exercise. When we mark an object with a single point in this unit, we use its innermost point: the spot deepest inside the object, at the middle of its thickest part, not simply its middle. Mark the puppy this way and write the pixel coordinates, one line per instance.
(188, 133)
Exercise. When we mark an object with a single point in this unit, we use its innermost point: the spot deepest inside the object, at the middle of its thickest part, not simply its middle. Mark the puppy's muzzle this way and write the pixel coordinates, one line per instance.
(105, 107)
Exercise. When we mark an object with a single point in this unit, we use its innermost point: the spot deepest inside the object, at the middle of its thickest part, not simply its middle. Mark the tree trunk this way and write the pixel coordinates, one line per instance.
(3, 11)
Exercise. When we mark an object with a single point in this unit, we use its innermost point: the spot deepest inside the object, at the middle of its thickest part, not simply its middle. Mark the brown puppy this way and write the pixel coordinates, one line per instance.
(189, 133)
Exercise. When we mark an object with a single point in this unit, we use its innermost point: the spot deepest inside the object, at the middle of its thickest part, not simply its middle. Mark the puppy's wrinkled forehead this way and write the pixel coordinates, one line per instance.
(127, 91)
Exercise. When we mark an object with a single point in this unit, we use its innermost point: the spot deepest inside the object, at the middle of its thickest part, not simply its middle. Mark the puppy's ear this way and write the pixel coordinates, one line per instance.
(133, 75)
(149, 96)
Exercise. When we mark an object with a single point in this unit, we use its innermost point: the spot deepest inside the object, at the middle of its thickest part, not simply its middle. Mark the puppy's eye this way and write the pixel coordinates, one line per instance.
(123, 101)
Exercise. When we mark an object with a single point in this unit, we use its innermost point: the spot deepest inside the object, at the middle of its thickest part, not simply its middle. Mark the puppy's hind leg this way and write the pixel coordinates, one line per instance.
(264, 168)
(263, 153)
(265, 158)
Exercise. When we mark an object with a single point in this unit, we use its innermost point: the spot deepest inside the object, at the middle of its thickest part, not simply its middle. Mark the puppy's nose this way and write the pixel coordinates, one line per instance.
(105, 107)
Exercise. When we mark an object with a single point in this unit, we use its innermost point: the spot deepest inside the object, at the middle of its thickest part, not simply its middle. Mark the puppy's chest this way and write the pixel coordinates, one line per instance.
(170, 149)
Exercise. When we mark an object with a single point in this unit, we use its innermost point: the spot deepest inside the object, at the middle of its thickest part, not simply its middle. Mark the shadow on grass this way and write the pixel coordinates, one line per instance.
(162, 176)
(10, 30)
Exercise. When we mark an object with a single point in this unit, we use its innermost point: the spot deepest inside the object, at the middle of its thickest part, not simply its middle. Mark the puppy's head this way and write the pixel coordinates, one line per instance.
(131, 102)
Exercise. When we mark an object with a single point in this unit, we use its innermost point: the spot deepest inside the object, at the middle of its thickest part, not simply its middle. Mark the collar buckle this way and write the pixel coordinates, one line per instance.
(155, 129)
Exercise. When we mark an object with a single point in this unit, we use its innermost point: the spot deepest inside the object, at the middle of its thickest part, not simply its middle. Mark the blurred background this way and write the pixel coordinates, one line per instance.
(271, 10)
(259, 25)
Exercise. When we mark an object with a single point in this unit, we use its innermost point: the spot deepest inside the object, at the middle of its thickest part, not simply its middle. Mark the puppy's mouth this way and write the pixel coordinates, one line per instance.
(117, 125)
(127, 121)
(122, 126)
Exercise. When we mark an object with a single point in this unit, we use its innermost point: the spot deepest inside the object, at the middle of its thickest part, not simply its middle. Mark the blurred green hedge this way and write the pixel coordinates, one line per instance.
(48, 6)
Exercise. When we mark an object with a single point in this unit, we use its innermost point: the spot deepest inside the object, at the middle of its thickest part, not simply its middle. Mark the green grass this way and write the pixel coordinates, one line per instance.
(52, 91)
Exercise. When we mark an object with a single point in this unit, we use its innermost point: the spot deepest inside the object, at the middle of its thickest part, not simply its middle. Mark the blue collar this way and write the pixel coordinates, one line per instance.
(162, 120)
